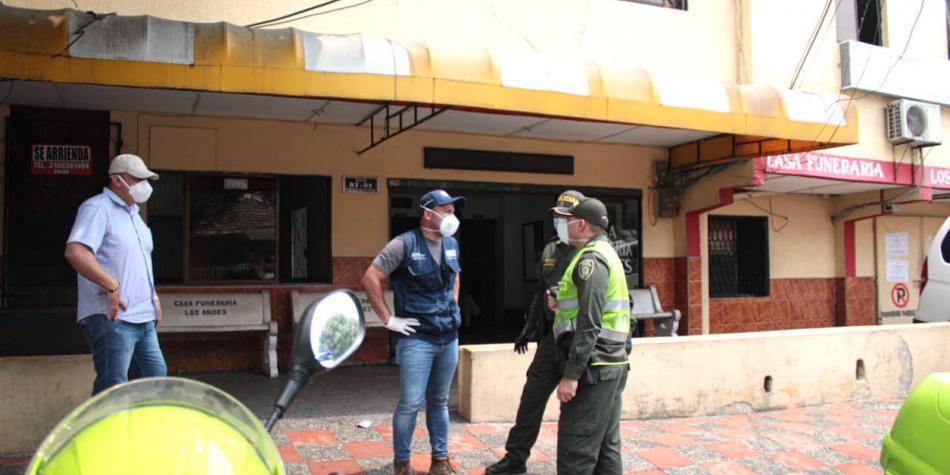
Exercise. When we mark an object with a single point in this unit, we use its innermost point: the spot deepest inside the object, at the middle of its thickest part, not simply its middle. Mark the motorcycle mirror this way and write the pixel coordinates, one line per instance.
(330, 330)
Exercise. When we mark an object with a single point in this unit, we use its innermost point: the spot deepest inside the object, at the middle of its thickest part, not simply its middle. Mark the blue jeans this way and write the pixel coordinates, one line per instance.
(426, 369)
(122, 351)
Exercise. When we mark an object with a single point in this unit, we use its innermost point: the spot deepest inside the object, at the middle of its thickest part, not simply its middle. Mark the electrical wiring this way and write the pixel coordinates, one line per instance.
(821, 41)
(851, 99)
(851, 209)
(811, 43)
(771, 214)
(289, 15)
(364, 2)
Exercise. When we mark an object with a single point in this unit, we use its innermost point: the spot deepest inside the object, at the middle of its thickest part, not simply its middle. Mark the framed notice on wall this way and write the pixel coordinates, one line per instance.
(73, 160)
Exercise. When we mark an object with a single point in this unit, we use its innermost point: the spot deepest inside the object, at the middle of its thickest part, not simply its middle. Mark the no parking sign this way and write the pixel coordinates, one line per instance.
(900, 295)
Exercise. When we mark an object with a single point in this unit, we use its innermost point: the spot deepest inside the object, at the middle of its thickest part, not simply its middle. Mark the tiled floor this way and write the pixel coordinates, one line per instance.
(837, 438)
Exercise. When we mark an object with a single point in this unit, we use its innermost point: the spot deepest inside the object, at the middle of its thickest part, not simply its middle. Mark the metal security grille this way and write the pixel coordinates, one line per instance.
(738, 256)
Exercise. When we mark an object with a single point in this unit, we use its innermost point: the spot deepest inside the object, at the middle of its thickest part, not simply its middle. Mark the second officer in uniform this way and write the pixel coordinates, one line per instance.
(591, 332)
(544, 372)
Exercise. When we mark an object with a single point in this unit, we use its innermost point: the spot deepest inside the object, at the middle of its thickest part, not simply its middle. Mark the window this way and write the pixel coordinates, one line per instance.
(674, 4)
(859, 20)
(738, 256)
(624, 232)
(218, 228)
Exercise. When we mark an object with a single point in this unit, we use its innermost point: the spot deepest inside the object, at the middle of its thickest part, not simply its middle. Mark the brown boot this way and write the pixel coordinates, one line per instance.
(403, 468)
(442, 466)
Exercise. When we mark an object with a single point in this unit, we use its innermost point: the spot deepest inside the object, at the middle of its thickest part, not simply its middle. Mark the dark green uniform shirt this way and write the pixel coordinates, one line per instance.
(591, 277)
(554, 259)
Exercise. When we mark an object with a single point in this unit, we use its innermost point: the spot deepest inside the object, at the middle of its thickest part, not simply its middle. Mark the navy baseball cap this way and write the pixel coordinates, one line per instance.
(440, 197)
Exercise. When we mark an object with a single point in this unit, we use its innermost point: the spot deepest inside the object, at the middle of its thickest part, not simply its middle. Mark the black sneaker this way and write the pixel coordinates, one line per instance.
(505, 466)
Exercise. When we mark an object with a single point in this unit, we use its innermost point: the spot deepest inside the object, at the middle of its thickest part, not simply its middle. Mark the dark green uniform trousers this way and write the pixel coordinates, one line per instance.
(543, 376)
(588, 433)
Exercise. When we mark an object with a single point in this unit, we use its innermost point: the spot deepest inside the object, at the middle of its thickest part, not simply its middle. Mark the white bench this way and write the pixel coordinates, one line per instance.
(217, 313)
(646, 306)
(299, 302)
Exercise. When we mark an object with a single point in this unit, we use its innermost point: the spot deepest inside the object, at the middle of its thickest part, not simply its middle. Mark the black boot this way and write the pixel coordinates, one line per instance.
(505, 466)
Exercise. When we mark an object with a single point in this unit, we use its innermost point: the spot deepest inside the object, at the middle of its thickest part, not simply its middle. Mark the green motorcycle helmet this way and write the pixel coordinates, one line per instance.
(159, 426)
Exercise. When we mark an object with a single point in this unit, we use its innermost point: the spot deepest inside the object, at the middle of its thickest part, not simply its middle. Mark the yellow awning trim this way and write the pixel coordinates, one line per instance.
(289, 62)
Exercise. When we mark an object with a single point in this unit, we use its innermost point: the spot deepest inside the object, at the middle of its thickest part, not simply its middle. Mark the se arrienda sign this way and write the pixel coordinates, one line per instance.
(46, 159)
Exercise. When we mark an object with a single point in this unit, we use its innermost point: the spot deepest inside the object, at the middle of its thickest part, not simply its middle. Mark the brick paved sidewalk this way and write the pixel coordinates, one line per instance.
(835, 438)
(838, 438)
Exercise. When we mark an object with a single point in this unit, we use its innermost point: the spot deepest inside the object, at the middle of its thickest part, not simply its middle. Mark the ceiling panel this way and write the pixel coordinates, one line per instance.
(657, 136)
(78, 96)
(574, 130)
(31, 93)
(480, 123)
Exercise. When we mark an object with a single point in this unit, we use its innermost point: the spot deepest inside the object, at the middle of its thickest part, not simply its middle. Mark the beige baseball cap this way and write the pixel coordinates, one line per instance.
(133, 165)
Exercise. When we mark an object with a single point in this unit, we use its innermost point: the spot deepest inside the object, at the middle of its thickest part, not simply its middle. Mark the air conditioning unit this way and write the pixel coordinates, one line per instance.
(913, 122)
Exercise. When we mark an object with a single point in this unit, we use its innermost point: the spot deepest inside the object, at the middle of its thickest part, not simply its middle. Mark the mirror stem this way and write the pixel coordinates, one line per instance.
(297, 380)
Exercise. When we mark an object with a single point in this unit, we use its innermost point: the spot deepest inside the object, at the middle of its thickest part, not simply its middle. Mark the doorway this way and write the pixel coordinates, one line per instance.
(55, 160)
(504, 228)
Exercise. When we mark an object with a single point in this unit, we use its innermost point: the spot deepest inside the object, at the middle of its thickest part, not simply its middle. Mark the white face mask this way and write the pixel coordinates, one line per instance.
(140, 191)
(560, 225)
(449, 226)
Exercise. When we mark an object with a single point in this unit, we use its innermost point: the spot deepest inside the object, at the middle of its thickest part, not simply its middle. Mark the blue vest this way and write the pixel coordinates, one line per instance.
(423, 289)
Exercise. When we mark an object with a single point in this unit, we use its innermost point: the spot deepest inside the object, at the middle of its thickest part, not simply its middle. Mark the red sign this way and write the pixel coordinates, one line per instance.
(900, 295)
(61, 160)
(820, 165)
(937, 177)
(835, 167)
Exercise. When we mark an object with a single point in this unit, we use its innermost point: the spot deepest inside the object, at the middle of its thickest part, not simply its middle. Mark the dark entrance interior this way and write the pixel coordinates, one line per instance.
(37, 311)
(504, 227)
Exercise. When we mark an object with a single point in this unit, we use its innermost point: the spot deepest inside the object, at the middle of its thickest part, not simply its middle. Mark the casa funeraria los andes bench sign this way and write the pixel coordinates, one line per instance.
(218, 313)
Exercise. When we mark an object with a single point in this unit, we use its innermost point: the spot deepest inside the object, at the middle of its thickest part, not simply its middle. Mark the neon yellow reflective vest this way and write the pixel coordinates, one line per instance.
(610, 348)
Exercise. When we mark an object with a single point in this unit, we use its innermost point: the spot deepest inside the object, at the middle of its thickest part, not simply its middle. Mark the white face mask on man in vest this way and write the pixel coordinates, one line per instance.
(448, 226)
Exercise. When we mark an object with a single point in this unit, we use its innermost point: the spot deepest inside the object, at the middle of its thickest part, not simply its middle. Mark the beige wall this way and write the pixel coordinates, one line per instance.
(776, 34)
(360, 220)
(801, 233)
(674, 377)
(865, 248)
(899, 19)
(36, 392)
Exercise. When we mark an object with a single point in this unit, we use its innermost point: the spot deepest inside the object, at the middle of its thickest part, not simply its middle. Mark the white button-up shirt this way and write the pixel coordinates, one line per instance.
(122, 244)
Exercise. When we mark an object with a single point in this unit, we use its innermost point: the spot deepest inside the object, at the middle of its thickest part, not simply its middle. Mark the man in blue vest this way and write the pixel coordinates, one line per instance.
(423, 270)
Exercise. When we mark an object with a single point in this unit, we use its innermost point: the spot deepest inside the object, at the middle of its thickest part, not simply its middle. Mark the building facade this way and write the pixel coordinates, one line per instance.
(742, 148)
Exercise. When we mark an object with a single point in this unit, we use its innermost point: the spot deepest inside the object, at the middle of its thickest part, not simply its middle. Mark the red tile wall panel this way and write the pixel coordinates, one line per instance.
(792, 303)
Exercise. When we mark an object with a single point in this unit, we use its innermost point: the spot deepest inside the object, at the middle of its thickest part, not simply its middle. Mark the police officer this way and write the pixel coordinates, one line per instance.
(544, 372)
(591, 332)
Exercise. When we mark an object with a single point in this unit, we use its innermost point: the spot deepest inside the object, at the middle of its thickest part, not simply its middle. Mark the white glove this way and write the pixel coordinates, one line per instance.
(402, 325)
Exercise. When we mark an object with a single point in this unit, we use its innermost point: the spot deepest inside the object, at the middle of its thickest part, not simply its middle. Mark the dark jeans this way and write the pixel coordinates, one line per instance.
(121, 351)
(543, 377)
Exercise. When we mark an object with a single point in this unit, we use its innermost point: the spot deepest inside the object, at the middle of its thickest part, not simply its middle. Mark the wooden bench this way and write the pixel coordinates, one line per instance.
(646, 306)
(299, 301)
(217, 313)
